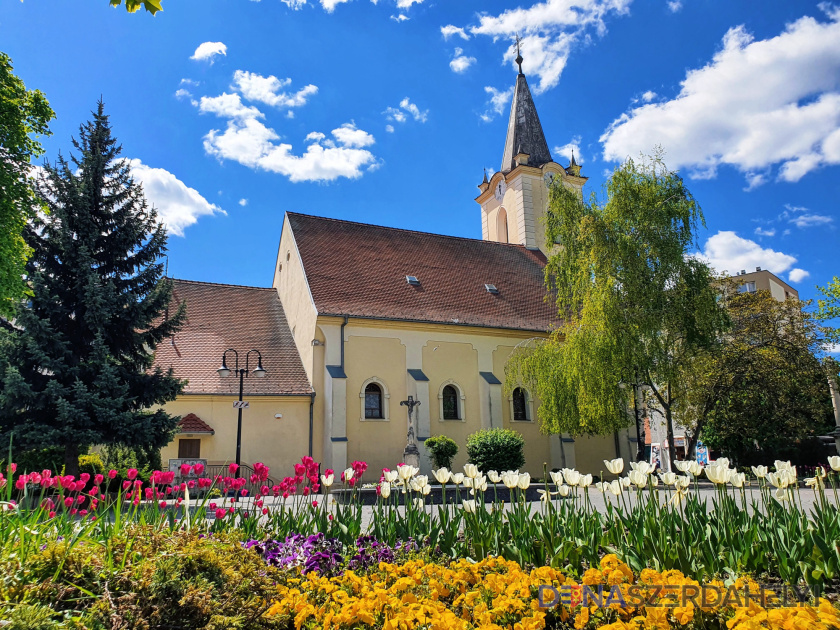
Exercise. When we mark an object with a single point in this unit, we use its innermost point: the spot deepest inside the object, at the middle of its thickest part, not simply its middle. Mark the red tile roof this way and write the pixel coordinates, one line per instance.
(221, 316)
(191, 423)
(360, 270)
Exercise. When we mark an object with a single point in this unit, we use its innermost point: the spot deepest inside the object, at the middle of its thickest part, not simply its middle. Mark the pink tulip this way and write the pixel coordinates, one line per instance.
(126, 485)
(233, 468)
(68, 502)
(132, 473)
(112, 473)
(212, 505)
(198, 468)
(220, 513)
(84, 477)
(162, 504)
(94, 490)
(98, 480)
(52, 514)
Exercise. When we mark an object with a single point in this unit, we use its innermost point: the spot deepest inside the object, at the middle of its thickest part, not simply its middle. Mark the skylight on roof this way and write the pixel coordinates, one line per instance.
(413, 281)
(491, 288)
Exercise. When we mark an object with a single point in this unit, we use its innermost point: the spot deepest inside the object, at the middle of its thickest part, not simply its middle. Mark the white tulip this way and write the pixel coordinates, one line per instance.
(718, 474)
(545, 497)
(469, 506)
(682, 465)
(390, 475)
(442, 475)
(571, 476)
(682, 482)
(625, 482)
(482, 487)
(722, 461)
(781, 495)
(669, 478)
(602, 486)
(780, 465)
(385, 490)
(471, 470)
(406, 472)
(524, 481)
(327, 480)
(556, 477)
(585, 481)
(494, 476)
(457, 478)
(695, 468)
(779, 479)
(426, 489)
(834, 462)
(510, 479)
(615, 487)
(737, 479)
(638, 478)
(348, 475)
(760, 471)
(642, 467)
(564, 490)
(615, 466)
(419, 503)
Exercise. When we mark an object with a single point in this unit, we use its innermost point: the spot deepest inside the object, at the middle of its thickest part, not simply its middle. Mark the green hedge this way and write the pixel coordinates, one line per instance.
(442, 450)
(496, 449)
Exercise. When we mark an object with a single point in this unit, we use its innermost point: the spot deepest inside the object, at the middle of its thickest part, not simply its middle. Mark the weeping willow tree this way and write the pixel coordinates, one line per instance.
(636, 305)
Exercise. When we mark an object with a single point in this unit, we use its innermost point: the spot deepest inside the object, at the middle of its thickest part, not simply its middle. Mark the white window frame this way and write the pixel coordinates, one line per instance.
(462, 400)
(385, 402)
(529, 405)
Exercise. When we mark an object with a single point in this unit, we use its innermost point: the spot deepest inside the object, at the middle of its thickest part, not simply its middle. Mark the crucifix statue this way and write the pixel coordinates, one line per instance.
(411, 454)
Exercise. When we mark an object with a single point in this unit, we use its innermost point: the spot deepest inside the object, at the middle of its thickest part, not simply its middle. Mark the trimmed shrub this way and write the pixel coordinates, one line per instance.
(91, 464)
(442, 449)
(496, 449)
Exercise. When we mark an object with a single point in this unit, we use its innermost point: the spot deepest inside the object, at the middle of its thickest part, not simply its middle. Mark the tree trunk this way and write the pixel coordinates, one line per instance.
(835, 400)
(71, 460)
(640, 422)
(670, 426)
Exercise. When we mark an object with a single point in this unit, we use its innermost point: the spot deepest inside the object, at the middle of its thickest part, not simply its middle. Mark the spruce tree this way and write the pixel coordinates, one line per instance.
(78, 369)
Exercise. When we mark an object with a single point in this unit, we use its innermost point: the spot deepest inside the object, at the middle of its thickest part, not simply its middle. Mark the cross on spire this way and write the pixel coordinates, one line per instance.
(518, 55)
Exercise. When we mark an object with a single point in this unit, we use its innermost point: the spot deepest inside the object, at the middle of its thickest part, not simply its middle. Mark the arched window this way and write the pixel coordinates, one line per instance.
(520, 405)
(502, 226)
(450, 403)
(373, 402)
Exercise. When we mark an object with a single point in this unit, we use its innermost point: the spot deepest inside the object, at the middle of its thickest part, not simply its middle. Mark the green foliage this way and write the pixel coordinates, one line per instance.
(829, 307)
(496, 449)
(120, 458)
(762, 384)
(152, 6)
(80, 368)
(635, 305)
(24, 115)
(442, 449)
(36, 460)
(91, 464)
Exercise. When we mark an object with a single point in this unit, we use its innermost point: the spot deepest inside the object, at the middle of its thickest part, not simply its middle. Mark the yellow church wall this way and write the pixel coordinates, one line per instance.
(453, 363)
(377, 442)
(537, 447)
(276, 442)
(591, 451)
(293, 290)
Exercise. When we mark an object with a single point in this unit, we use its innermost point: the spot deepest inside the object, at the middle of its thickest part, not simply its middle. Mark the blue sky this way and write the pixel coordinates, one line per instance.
(235, 111)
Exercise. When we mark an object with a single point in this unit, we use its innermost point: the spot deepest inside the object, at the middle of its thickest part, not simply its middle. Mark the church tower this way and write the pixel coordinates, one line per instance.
(514, 200)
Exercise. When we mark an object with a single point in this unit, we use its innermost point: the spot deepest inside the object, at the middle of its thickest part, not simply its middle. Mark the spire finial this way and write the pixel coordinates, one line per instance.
(485, 177)
(573, 158)
(518, 55)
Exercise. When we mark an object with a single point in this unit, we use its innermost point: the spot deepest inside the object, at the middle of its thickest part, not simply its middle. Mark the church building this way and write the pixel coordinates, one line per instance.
(360, 317)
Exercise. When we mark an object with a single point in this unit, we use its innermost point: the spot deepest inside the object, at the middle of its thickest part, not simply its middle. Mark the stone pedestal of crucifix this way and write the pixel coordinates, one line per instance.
(411, 454)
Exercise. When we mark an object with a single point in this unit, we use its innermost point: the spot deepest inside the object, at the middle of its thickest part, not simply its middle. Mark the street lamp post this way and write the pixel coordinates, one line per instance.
(224, 371)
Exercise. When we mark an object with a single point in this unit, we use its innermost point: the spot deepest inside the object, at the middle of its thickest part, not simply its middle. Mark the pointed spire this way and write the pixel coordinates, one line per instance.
(525, 133)
(485, 177)
(573, 163)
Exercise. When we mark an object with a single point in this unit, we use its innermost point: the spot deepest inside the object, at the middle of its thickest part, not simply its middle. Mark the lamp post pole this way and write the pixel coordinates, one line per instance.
(225, 371)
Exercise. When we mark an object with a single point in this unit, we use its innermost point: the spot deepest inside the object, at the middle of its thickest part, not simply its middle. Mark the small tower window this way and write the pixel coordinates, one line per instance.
(373, 402)
(450, 403)
(520, 405)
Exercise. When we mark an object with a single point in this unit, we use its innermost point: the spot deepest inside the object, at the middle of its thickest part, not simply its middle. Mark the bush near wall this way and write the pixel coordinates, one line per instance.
(442, 450)
(496, 449)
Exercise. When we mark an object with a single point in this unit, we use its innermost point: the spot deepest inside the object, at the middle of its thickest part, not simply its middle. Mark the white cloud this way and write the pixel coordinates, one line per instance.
(498, 100)
(549, 31)
(178, 205)
(674, 5)
(728, 252)
(268, 90)
(406, 4)
(833, 348)
(756, 105)
(243, 202)
(294, 4)
(401, 17)
(389, 128)
(181, 93)
(648, 96)
(762, 232)
(349, 136)
(449, 30)
(810, 220)
(329, 5)
(797, 275)
(190, 82)
(400, 114)
(228, 106)
(460, 62)
(567, 149)
(208, 50)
